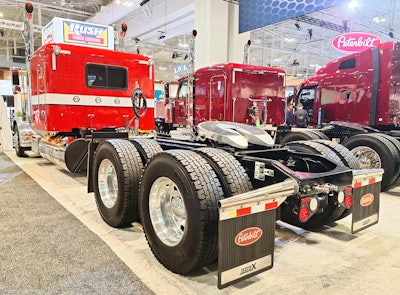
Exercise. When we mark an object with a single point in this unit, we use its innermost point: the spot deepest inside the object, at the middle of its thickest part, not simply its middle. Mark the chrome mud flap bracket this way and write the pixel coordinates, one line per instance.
(366, 192)
(246, 231)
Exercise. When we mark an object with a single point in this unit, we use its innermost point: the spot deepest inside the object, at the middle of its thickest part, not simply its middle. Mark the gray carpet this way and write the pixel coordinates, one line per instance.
(44, 249)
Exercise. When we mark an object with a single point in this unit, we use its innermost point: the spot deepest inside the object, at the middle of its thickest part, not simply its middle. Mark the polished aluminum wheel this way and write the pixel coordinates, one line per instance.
(367, 157)
(167, 211)
(108, 183)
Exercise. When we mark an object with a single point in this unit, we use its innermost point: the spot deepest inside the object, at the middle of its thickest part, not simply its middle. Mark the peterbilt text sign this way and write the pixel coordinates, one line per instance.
(248, 236)
(354, 41)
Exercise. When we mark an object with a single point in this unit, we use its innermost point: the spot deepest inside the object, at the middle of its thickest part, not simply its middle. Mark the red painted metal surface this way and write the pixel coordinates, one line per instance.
(344, 87)
(62, 101)
(232, 92)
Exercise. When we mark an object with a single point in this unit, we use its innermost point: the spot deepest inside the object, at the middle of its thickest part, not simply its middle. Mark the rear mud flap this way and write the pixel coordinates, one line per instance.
(246, 232)
(238, 260)
(366, 192)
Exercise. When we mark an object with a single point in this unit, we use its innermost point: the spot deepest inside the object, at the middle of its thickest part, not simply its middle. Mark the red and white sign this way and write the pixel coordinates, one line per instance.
(354, 41)
(248, 236)
(367, 200)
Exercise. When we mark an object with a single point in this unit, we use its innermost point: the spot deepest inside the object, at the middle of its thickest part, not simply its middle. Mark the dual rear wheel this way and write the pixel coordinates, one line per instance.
(176, 193)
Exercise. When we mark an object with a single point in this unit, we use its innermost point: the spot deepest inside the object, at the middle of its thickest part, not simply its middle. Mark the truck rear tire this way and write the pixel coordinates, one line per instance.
(147, 148)
(179, 210)
(348, 159)
(396, 144)
(117, 172)
(230, 172)
(333, 210)
(294, 136)
(375, 152)
(318, 133)
(316, 148)
(345, 155)
(20, 151)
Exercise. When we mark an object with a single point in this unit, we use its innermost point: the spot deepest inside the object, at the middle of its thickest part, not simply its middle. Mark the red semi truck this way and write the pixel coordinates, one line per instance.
(361, 88)
(203, 198)
(355, 100)
(227, 92)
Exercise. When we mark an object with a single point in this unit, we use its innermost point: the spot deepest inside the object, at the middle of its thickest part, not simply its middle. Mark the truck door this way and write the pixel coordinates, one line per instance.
(306, 97)
(218, 98)
(343, 93)
(180, 105)
(41, 91)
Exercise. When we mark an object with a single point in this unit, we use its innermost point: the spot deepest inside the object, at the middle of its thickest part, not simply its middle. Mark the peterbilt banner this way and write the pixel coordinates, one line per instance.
(61, 30)
(354, 41)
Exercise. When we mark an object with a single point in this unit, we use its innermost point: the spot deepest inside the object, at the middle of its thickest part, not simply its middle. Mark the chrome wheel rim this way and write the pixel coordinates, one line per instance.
(108, 183)
(367, 157)
(167, 211)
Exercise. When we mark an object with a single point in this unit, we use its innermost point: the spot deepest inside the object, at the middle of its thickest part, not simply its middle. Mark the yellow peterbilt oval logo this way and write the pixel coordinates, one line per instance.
(248, 236)
(367, 200)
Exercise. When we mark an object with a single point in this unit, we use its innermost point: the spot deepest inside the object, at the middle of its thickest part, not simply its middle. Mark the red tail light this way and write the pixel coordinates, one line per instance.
(304, 213)
(348, 200)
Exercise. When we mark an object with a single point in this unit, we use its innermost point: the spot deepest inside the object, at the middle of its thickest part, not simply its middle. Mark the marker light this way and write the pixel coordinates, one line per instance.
(340, 197)
(313, 204)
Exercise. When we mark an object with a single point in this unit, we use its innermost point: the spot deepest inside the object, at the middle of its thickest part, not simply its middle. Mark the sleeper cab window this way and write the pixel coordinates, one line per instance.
(106, 77)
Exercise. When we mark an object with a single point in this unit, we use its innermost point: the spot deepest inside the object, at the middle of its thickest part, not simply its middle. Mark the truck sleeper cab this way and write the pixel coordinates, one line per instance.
(226, 92)
(76, 87)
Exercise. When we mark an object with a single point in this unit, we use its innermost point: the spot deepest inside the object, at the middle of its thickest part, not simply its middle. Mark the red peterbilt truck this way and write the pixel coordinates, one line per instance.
(213, 196)
(76, 88)
(359, 88)
(226, 92)
(355, 100)
(69, 90)
(255, 95)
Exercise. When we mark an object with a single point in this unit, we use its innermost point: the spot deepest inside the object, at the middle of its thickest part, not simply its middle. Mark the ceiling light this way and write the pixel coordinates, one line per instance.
(378, 19)
(353, 4)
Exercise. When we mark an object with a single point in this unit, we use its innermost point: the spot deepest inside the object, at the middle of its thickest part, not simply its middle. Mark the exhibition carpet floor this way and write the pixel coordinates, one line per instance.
(44, 249)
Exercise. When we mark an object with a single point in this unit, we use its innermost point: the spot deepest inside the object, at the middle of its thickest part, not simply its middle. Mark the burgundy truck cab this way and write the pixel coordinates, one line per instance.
(361, 88)
(229, 92)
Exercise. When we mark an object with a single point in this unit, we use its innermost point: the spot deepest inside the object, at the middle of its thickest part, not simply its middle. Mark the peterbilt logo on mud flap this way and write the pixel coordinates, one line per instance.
(367, 200)
(248, 236)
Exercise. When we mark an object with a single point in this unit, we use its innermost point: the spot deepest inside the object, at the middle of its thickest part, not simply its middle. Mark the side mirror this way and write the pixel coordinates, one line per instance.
(166, 90)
